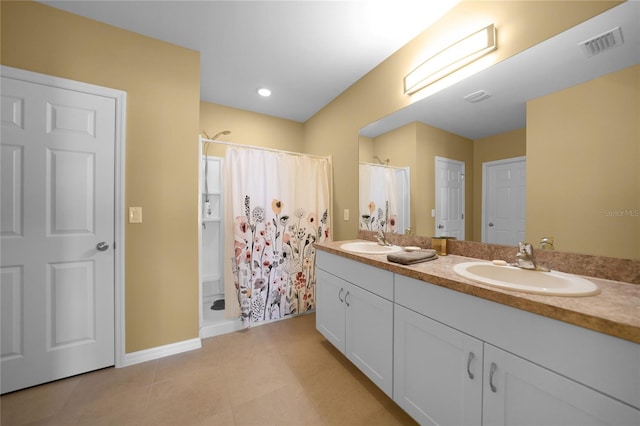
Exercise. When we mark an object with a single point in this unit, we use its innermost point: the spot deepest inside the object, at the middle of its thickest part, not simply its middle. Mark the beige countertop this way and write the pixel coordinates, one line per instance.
(614, 311)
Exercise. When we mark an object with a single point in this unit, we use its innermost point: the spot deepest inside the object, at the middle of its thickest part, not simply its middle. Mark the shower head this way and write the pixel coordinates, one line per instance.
(386, 162)
(217, 135)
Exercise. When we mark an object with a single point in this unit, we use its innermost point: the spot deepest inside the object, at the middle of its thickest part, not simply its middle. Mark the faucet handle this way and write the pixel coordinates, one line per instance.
(546, 243)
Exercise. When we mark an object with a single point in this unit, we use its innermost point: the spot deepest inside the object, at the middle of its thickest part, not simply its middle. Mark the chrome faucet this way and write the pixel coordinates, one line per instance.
(525, 259)
(382, 239)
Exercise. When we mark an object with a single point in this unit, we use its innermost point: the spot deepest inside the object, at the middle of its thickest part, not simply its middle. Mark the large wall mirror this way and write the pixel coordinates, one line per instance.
(563, 124)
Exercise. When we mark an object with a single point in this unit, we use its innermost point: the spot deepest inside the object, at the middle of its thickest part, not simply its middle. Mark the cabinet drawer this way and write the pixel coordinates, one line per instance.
(375, 280)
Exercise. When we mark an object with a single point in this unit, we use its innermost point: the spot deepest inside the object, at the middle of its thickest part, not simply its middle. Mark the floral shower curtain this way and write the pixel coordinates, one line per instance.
(279, 206)
(384, 198)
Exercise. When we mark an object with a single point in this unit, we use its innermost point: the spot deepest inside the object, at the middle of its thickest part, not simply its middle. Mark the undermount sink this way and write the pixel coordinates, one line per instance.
(552, 283)
(369, 247)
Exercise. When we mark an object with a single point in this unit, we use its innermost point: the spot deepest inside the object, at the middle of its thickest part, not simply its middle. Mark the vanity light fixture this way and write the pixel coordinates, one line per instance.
(264, 92)
(451, 59)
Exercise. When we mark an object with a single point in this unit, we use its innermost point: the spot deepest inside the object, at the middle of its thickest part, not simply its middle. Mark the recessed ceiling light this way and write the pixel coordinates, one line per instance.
(264, 92)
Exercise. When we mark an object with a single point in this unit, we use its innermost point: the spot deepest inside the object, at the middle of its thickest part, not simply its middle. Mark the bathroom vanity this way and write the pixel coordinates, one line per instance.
(452, 351)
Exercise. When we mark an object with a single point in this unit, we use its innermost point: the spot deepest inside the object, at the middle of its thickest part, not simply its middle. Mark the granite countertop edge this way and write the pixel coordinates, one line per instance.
(615, 311)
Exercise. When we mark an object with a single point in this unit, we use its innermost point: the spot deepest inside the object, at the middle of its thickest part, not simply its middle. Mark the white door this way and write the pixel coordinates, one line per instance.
(449, 198)
(57, 233)
(504, 185)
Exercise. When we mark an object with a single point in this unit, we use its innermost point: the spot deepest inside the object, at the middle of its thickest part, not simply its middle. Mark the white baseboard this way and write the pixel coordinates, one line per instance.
(160, 352)
(224, 327)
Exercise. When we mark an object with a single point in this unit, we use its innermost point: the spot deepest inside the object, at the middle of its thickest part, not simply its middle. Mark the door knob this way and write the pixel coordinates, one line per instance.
(490, 223)
(102, 246)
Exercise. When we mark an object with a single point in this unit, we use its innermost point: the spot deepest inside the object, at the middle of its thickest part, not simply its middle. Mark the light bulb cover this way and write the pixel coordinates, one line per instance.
(451, 59)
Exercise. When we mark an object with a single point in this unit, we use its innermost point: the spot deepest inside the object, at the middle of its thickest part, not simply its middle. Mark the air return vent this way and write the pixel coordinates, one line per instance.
(478, 96)
(599, 44)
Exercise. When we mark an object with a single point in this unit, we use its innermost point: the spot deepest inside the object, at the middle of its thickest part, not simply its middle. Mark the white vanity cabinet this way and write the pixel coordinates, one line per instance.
(355, 313)
(510, 377)
(520, 392)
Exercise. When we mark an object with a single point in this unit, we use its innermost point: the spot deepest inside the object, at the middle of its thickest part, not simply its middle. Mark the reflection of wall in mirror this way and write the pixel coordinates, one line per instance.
(402, 143)
(583, 166)
(505, 145)
(415, 145)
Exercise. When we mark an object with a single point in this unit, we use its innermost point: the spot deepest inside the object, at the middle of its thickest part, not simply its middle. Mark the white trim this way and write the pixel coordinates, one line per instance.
(220, 328)
(161, 351)
(120, 98)
(483, 229)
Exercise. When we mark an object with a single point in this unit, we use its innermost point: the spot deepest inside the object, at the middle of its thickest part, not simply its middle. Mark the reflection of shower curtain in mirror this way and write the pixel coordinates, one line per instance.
(384, 198)
(278, 205)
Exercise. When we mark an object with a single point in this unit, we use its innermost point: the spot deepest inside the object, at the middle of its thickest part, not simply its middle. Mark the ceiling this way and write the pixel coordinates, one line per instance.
(305, 52)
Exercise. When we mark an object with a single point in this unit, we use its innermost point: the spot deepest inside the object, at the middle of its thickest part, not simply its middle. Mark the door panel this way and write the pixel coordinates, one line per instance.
(58, 151)
(369, 331)
(330, 320)
(449, 198)
(519, 392)
(504, 201)
(437, 371)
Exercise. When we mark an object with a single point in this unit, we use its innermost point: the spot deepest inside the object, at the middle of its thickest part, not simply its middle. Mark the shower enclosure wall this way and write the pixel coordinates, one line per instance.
(212, 298)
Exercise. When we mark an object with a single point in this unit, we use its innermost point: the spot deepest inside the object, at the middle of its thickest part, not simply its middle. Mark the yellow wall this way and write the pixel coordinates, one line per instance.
(434, 142)
(249, 128)
(162, 82)
(583, 166)
(416, 145)
(499, 147)
(520, 24)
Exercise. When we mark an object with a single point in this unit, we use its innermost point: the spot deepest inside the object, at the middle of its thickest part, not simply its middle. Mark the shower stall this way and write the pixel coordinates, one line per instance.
(212, 233)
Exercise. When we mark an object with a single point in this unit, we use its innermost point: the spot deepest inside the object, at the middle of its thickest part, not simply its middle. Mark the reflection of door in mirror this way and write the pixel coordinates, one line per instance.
(449, 198)
(384, 198)
(503, 201)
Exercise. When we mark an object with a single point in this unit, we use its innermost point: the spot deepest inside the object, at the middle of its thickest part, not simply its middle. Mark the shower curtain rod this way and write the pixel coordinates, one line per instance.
(262, 148)
(383, 165)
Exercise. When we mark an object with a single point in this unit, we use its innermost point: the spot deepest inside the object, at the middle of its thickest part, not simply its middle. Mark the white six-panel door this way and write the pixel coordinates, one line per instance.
(504, 193)
(449, 198)
(57, 233)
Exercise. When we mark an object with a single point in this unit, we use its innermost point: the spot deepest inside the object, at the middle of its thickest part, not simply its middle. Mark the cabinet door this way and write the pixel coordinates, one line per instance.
(437, 371)
(520, 392)
(369, 329)
(330, 308)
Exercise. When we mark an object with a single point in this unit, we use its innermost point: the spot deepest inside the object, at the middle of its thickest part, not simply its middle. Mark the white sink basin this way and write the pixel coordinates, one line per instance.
(551, 283)
(369, 247)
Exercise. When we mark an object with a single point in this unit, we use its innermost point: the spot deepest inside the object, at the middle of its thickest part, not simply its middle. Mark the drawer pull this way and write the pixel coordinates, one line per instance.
(492, 372)
(340, 294)
(469, 359)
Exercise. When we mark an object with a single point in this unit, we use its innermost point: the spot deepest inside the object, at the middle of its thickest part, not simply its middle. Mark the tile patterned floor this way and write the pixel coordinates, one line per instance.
(284, 373)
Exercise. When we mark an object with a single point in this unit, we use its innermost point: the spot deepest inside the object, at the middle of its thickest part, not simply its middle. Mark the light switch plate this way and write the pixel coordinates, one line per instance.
(135, 214)
(346, 214)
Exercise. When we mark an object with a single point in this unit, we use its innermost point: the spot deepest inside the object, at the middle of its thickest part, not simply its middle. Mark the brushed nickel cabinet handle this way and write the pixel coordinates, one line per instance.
(492, 372)
(469, 359)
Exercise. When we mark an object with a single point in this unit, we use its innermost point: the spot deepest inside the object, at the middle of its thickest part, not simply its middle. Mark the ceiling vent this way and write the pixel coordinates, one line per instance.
(601, 43)
(478, 96)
